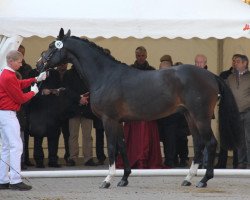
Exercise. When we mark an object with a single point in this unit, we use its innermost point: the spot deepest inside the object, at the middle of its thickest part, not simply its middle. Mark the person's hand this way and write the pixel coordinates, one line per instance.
(45, 92)
(41, 77)
(85, 94)
(34, 89)
(55, 92)
(84, 98)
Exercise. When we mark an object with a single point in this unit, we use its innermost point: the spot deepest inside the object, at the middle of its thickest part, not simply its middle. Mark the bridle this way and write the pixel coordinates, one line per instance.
(46, 58)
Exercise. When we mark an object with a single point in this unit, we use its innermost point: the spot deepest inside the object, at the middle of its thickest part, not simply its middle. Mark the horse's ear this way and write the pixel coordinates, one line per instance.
(61, 34)
(68, 33)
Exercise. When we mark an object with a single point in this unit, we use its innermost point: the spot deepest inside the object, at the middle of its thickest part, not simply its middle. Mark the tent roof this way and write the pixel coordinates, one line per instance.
(150, 18)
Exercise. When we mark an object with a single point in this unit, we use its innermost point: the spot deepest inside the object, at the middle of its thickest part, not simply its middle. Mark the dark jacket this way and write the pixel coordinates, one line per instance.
(24, 70)
(44, 110)
(225, 74)
(74, 88)
(144, 66)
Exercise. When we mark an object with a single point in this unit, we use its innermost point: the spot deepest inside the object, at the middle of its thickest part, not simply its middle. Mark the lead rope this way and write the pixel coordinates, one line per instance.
(15, 170)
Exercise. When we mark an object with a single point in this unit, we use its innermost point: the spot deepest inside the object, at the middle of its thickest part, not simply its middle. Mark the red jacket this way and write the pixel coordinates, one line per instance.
(11, 94)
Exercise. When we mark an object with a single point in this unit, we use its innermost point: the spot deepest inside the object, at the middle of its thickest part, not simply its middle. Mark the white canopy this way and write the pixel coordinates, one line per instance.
(141, 18)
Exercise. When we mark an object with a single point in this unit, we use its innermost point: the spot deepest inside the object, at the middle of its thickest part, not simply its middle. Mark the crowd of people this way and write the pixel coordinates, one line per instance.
(60, 104)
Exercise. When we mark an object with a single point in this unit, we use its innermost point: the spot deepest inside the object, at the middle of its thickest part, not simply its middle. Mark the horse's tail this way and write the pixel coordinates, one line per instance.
(229, 117)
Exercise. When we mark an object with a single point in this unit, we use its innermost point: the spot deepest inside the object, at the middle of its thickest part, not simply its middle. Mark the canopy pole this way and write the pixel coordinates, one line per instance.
(220, 55)
(7, 44)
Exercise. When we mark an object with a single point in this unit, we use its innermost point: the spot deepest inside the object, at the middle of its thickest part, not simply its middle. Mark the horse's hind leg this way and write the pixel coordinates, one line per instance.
(211, 149)
(198, 149)
(198, 155)
(114, 133)
(127, 169)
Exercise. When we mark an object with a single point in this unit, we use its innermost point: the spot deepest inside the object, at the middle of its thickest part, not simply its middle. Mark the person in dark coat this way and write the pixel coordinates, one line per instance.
(79, 115)
(173, 131)
(99, 129)
(24, 71)
(44, 119)
(223, 154)
(173, 134)
(64, 121)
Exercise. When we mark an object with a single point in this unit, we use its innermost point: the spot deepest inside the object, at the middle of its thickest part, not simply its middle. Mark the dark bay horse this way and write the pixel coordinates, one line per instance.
(119, 93)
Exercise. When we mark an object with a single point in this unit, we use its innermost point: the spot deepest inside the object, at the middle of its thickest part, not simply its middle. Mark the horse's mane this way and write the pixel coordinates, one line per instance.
(100, 49)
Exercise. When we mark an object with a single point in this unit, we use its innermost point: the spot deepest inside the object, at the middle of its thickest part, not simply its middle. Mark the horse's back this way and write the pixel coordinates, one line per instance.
(196, 77)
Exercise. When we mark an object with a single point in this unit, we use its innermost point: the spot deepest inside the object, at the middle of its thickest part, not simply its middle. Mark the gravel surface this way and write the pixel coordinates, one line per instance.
(146, 188)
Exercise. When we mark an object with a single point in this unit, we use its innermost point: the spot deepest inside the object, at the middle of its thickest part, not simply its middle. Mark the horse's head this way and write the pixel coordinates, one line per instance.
(56, 53)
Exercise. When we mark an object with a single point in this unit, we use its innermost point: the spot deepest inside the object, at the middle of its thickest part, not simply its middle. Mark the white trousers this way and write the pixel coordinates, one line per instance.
(12, 148)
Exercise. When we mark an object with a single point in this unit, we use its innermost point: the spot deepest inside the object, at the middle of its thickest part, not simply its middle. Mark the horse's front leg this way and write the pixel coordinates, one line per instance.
(111, 144)
(127, 170)
(211, 149)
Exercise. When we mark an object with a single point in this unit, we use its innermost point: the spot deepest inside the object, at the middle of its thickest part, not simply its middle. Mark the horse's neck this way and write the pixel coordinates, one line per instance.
(90, 63)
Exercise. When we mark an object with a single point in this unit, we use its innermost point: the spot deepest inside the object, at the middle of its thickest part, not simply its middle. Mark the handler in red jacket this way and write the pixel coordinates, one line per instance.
(11, 98)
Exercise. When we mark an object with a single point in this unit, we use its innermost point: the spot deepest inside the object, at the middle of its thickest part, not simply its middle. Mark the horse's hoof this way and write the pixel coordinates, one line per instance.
(105, 184)
(186, 183)
(122, 183)
(201, 185)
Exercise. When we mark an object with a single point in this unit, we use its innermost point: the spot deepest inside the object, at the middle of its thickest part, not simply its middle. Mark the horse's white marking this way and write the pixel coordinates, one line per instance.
(192, 171)
(59, 44)
(111, 173)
